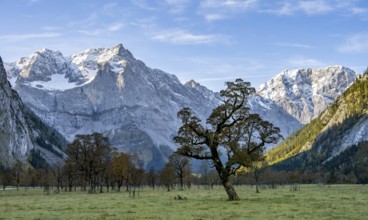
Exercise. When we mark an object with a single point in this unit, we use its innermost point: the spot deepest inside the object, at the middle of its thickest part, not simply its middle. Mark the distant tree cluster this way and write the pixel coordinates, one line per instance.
(93, 165)
(104, 171)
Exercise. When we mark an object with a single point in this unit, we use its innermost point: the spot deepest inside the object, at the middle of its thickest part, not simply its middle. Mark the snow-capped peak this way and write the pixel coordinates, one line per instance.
(89, 60)
(305, 93)
(100, 55)
(50, 70)
(44, 63)
(47, 69)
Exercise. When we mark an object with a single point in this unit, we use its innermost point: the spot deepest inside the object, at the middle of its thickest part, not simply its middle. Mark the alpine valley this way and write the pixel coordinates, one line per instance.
(109, 91)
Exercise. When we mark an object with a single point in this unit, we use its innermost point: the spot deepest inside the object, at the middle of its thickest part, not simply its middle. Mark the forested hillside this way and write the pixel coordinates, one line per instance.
(326, 139)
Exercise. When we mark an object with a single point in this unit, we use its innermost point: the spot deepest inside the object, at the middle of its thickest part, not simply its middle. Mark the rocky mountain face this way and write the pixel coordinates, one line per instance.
(273, 113)
(305, 93)
(24, 136)
(109, 91)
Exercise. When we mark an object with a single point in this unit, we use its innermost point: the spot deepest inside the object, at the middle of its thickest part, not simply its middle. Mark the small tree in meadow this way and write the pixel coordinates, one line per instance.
(167, 176)
(181, 166)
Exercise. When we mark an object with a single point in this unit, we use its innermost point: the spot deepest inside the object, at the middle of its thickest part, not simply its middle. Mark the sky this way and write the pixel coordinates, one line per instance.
(210, 41)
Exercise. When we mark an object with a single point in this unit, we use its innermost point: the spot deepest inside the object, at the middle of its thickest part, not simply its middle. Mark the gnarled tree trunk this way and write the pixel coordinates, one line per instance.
(225, 177)
(229, 188)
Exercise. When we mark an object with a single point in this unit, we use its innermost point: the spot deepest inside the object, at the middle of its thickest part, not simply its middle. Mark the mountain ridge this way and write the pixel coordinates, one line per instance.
(113, 93)
(109, 91)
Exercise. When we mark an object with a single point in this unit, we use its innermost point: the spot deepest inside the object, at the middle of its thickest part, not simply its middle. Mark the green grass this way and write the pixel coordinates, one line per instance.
(311, 202)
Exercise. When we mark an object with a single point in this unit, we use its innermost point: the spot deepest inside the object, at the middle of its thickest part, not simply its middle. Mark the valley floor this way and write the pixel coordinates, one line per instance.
(310, 202)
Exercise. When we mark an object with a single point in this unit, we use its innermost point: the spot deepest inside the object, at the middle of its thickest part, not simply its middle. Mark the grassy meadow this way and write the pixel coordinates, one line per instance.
(310, 202)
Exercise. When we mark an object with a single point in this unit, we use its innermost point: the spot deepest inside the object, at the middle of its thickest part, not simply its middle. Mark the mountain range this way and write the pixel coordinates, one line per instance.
(109, 91)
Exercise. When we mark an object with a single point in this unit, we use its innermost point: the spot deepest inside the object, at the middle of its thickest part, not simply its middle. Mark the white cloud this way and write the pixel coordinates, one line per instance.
(177, 6)
(90, 33)
(176, 2)
(213, 10)
(51, 28)
(178, 36)
(227, 8)
(230, 4)
(296, 45)
(302, 62)
(355, 44)
(115, 27)
(99, 31)
(22, 37)
(315, 7)
(214, 17)
(144, 4)
(286, 9)
(109, 7)
(310, 7)
(359, 11)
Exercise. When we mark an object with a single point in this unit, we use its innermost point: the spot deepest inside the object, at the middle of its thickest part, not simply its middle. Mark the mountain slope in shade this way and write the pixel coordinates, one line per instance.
(273, 113)
(24, 136)
(305, 93)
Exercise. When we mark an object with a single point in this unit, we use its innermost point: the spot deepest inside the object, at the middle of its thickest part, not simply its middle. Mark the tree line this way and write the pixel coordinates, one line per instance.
(93, 165)
(121, 173)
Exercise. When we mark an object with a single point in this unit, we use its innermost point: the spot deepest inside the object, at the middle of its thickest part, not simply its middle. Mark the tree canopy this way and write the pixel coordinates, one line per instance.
(231, 130)
(88, 156)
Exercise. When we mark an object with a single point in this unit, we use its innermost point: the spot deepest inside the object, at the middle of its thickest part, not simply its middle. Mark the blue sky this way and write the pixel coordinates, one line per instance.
(210, 41)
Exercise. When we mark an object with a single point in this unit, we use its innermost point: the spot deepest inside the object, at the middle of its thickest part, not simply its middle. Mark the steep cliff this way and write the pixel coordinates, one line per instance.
(23, 136)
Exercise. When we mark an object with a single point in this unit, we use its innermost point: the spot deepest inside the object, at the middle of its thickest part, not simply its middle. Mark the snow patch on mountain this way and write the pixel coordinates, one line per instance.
(354, 135)
(56, 82)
